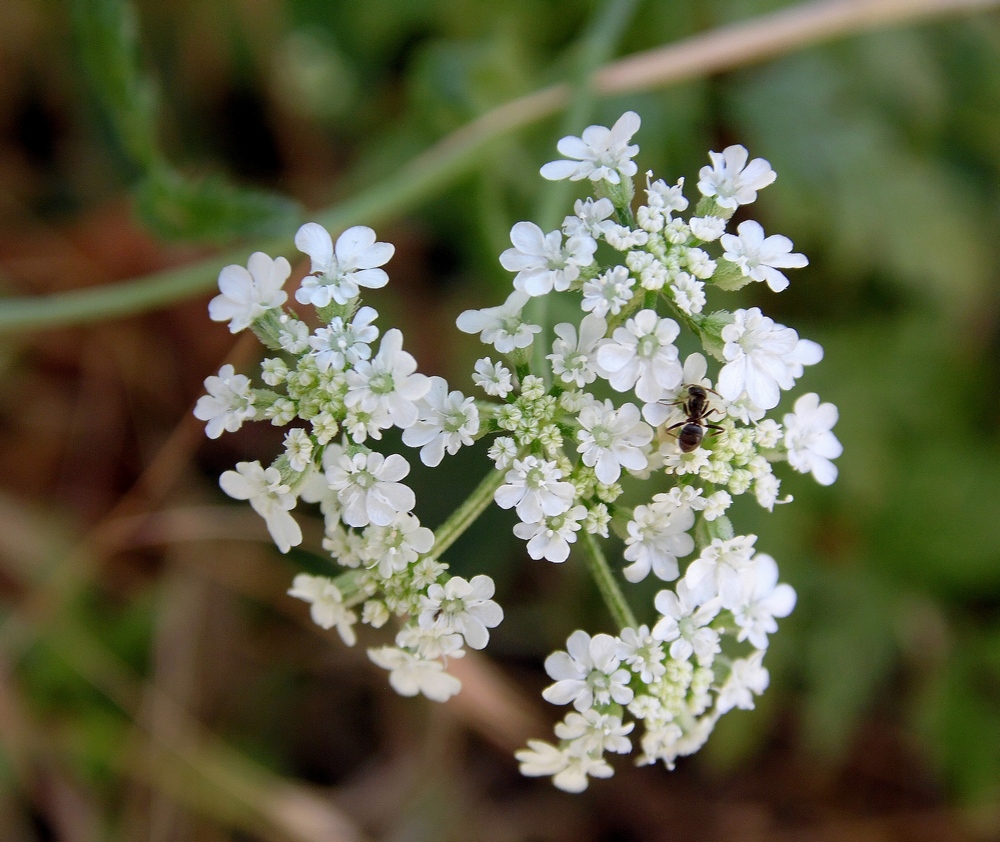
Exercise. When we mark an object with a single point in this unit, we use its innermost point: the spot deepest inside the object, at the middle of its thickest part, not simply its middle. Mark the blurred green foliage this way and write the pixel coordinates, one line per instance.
(886, 148)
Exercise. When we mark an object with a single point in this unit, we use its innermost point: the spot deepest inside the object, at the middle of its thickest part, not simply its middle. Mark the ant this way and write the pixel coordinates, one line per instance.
(695, 407)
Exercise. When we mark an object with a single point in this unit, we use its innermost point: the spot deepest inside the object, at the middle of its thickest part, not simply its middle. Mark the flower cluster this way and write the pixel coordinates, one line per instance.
(339, 391)
(615, 404)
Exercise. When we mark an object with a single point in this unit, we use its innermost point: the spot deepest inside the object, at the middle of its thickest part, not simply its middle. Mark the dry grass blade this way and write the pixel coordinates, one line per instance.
(767, 36)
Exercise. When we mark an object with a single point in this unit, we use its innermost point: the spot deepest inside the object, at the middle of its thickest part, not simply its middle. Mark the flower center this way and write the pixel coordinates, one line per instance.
(382, 384)
(602, 437)
(511, 324)
(647, 346)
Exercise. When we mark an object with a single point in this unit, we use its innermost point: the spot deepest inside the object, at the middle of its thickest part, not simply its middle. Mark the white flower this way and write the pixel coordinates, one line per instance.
(569, 772)
(447, 420)
(766, 488)
(716, 505)
(493, 378)
(657, 537)
(725, 568)
(623, 238)
(248, 295)
(601, 153)
(269, 496)
(612, 439)
(572, 360)
(534, 486)
(541, 260)
(394, 547)
(326, 604)
(665, 198)
(590, 219)
(502, 327)
(551, 536)
(298, 449)
(685, 624)
(273, 371)
(430, 644)
(701, 265)
(747, 679)
(593, 733)
(668, 741)
(227, 405)
(806, 352)
(809, 438)
(386, 386)
(342, 344)
(410, 674)
(344, 545)
(368, 489)
(502, 452)
(463, 607)
(688, 293)
(692, 374)
(642, 354)
(676, 232)
(731, 180)
(767, 434)
(314, 488)
(745, 410)
(766, 600)
(588, 673)
(757, 351)
(293, 335)
(608, 292)
(642, 652)
(760, 257)
(338, 271)
(707, 228)
(652, 273)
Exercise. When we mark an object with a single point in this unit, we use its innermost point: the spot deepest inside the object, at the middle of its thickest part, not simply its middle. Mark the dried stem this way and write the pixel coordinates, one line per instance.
(725, 48)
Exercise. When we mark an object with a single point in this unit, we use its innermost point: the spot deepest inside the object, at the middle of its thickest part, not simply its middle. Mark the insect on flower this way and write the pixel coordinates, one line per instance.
(695, 407)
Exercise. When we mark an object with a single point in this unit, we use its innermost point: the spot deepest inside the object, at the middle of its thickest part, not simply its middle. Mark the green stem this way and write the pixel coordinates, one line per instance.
(594, 49)
(606, 584)
(463, 517)
(728, 47)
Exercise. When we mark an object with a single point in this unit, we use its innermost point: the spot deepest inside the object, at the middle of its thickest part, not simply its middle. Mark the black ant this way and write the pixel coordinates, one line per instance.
(695, 407)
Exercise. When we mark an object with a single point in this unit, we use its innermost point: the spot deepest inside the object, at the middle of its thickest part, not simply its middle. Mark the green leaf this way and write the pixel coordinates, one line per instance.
(106, 34)
(958, 717)
(211, 208)
(849, 652)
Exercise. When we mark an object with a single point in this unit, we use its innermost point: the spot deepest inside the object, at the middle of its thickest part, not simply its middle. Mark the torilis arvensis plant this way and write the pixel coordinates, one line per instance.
(610, 402)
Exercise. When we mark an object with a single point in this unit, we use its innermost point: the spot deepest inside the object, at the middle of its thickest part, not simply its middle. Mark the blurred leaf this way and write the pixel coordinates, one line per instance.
(853, 181)
(107, 35)
(178, 207)
(849, 650)
(959, 717)
(313, 76)
(453, 81)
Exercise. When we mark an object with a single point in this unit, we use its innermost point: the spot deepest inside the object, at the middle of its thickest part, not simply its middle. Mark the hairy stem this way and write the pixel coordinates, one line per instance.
(594, 49)
(606, 584)
(725, 48)
(463, 517)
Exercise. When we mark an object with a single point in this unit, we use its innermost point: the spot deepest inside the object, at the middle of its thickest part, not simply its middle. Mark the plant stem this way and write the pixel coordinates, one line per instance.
(461, 519)
(606, 584)
(593, 50)
(736, 45)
